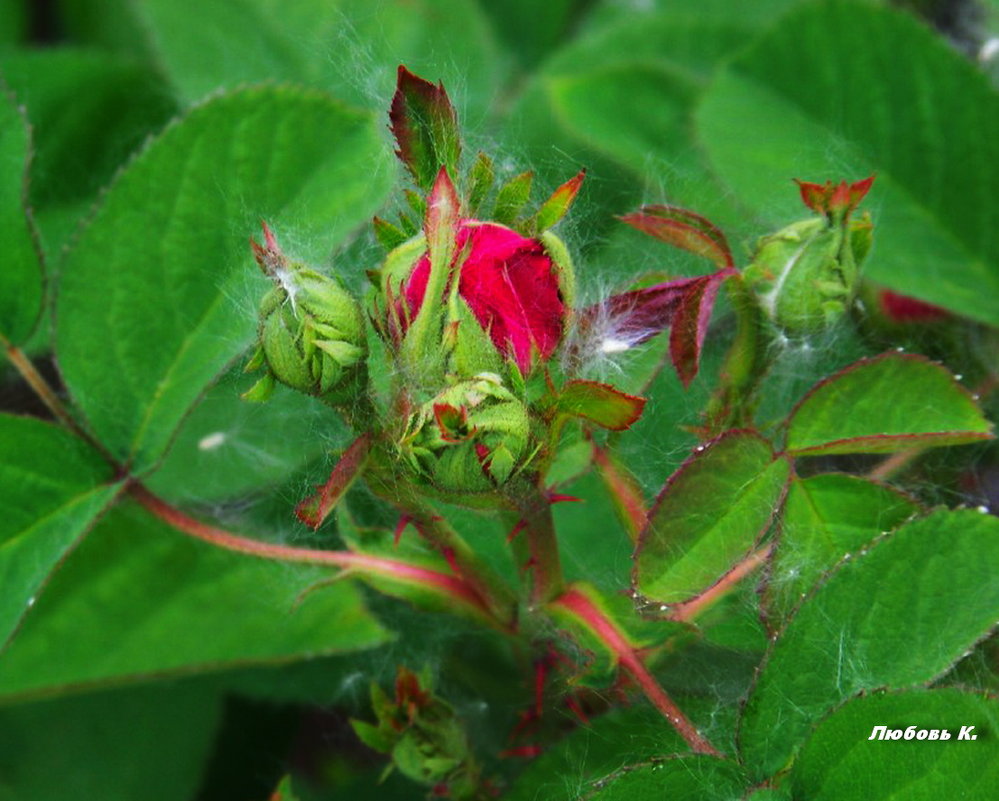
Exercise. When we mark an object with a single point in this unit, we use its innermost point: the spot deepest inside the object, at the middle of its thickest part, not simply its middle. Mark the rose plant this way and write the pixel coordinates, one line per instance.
(496, 527)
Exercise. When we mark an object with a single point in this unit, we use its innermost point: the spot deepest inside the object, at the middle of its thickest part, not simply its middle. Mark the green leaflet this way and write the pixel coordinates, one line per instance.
(898, 615)
(826, 517)
(52, 488)
(138, 599)
(155, 298)
(709, 514)
(21, 276)
(840, 762)
(885, 404)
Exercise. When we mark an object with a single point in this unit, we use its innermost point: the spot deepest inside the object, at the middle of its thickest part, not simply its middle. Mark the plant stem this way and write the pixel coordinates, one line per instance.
(688, 610)
(442, 536)
(454, 587)
(39, 385)
(746, 363)
(580, 606)
(535, 515)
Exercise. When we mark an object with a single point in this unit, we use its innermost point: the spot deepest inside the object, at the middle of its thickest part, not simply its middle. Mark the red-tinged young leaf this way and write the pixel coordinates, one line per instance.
(902, 309)
(600, 403)
(885, 404)
(638, 315)
(711, 513)
(683, 229)
(315, 509)
(452, 423)
(624, 489)
(425, 127)
(558, 205)
(690, 325)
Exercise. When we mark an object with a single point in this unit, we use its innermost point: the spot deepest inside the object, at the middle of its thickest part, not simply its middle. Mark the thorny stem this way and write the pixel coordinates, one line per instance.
(576, 603)
(441, 535)
(688, 610)
(454, 587)
(535, 514)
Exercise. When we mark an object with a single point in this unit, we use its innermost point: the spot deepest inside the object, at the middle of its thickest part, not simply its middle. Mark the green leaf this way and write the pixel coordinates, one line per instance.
(348, 47)
(600, 403)
(824, 96)
(138, 599)
(21, 276)
(710, 513)
(840, 762)
(621, 737)
(81, 137)
(155, 298)
(688, 778)
(148, 742)
(885, 404)
(826, 517)
(235, 447)
(52, 488)
(898, 615)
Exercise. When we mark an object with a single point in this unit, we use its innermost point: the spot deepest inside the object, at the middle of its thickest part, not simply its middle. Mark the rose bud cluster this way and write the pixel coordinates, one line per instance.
(311, 336)
(806, 275)
(474, 304)
(470, 438)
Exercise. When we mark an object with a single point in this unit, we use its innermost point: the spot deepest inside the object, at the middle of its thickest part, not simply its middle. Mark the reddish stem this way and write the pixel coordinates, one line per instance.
(583, 609)
(446, 584)
(688, 610)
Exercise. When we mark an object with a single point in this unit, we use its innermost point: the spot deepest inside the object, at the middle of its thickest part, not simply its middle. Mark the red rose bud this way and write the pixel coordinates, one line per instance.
(517, 290)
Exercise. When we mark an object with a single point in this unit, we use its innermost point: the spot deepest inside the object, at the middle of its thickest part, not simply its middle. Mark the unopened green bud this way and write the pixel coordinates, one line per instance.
(312, 335)
(806, 275)
(470, 438)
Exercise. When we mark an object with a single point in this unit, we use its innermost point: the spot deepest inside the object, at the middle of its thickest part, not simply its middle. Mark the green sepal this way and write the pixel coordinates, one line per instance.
(472, 351)
(559, 254)
(417, 202)
(372, 736)
(262, 390)
(389, 236)
(481, 178)
(558, 205)
(512, 197)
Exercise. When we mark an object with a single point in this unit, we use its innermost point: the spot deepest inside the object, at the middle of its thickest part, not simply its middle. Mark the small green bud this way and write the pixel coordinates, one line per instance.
(806, 275)
(470, 438)
(312, 335)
